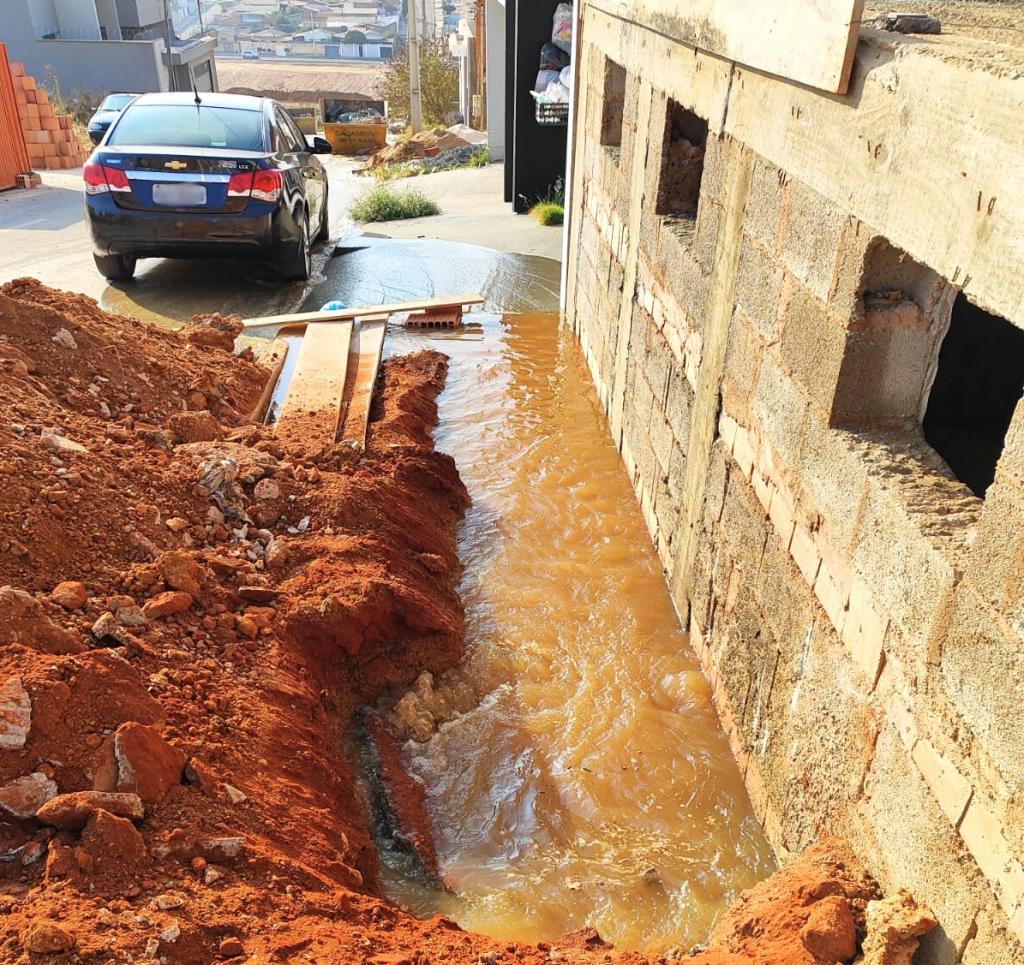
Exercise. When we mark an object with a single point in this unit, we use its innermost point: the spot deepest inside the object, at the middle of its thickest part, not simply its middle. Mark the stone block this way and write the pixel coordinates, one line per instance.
(782, 596)
(812, 238)
(743, 451)
(683, 276)
(951, 789)
(864, 631)
(705, 239)
(832, 596)
(743, 524)
(982, 832)
(812, 343)
(742, 356)
(762, 218)
(981, 673)
(782, 515)
(992, 943)
(905, 572)
(781, 409)
(759, 288)
(1012, 458)
(882, 380)
(717, 480)
(833, 481)
(678, 408)
(995, 566)
(805, 553)
(914, 846)
(662, 442)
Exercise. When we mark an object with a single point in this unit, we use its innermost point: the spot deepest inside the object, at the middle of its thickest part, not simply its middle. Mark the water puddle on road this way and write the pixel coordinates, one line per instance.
(575, 769)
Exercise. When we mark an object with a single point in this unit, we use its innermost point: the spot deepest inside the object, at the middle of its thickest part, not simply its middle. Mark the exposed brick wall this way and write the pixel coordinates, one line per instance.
(859, 613)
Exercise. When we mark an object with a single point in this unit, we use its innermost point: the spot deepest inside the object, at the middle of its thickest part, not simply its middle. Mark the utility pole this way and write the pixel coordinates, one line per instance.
(415, 94)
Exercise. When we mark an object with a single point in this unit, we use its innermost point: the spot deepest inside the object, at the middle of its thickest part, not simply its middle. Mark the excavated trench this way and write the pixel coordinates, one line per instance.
(574, 770)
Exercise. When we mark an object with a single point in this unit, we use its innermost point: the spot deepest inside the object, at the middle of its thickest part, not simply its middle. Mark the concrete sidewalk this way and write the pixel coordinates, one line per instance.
(473, 212)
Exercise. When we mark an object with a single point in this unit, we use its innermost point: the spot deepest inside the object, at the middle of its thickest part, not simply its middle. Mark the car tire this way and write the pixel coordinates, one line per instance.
(324, 231)
(297, 261)
(115, 267)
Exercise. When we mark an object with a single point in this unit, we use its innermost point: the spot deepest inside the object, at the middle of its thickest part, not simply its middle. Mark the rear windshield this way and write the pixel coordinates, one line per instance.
(116, 101)
(186, 125)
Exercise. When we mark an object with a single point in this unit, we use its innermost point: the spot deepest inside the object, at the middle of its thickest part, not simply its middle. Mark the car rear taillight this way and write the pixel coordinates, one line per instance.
(100, 178)
(240, 185)
(267, 185)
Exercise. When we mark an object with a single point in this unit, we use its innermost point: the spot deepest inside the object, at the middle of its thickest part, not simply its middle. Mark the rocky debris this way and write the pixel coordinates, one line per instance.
(70, 594)
(113, 843)
(24, 796)
(23, 620)
(71, 812)
(830, 933)
(43, 937)
(199, 426)
(800, 912)
(15, 714)
(230, 947)
(65, 338)
(906, 23)
(235, 796)
(167, 604)
(214, 330)
(51, 439)
(137, 760)
(181, 572)
(267, 489)
(895, 925)
(107, 626)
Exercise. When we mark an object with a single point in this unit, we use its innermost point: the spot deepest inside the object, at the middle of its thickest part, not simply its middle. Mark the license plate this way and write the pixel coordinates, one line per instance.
(179, 194)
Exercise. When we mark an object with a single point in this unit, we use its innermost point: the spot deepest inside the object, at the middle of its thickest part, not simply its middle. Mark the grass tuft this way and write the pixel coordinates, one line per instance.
(384, 203)
(548, 213)
(481, 159)
(550, 208)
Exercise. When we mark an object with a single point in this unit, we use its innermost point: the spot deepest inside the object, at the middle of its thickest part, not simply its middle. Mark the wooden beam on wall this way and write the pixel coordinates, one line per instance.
(811, 42)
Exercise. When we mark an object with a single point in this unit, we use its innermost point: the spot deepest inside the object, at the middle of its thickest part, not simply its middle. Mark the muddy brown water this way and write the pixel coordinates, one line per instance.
(575, 769)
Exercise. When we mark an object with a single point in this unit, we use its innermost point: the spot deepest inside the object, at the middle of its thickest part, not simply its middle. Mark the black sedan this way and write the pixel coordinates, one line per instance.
(112, 105)
(206, 175)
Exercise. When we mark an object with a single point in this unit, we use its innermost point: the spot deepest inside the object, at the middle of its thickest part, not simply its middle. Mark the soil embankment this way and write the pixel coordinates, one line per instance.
(190, 617)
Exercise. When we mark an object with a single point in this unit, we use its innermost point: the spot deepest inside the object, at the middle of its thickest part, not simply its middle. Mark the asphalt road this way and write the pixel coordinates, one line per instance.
(476, 244)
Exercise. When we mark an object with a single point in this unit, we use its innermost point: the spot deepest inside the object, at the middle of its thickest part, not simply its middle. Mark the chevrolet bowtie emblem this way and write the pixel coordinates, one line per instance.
(175, 165)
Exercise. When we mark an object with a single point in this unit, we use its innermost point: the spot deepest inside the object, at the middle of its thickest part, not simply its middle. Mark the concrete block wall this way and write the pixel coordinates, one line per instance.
(858, 611)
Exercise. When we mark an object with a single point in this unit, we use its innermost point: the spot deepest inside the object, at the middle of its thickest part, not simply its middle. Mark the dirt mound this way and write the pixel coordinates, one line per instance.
(424, 144)
(193, 619)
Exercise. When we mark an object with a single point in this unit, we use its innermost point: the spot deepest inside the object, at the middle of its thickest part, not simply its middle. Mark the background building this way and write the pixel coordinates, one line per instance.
(112, 45)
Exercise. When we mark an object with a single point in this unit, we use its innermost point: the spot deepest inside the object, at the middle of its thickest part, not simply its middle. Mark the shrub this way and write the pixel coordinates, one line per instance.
(550, 208)
(481, 159)
(439, 84)
(384, 203)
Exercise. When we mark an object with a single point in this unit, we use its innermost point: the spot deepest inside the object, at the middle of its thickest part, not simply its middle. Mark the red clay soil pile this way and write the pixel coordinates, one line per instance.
(190, 618)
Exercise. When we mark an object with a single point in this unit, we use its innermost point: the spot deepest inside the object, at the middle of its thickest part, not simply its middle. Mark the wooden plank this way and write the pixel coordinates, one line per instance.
(303, 318)
(808, 41)
(312, 407)
(363, 365)
(274, 359)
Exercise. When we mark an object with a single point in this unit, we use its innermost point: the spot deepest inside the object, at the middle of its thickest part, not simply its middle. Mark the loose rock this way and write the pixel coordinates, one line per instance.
(24, 796)
(71, 812)
(167, 604)
(70, 594)
(15, 714)
(44, 937)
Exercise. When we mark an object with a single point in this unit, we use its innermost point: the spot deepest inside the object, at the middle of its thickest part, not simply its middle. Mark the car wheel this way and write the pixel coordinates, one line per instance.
(297, 263)
(324, 231)
(115, 267)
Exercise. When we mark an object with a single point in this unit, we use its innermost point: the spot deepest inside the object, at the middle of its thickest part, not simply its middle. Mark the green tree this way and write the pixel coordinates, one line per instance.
(439, 82)
(354, 37)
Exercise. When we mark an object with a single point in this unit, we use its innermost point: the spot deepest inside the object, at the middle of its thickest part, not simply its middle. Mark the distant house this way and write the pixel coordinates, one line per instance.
(98, 45)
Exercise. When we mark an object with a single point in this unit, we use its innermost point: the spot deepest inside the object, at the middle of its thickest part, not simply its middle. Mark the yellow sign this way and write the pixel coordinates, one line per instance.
(355, 138)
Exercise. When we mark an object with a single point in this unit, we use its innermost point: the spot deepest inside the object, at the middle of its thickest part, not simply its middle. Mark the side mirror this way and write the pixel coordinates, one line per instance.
(321, 145)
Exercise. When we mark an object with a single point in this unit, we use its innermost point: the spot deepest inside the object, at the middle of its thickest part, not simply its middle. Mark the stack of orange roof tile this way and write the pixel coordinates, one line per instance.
(49, 136)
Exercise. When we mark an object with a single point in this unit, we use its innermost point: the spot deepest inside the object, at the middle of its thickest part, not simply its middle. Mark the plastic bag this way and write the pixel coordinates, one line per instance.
(545, 77)
(565, 78)
(552, 58)
(561, 32)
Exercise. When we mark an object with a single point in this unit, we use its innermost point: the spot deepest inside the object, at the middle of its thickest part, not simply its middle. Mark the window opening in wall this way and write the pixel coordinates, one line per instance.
(978, 383)
(682, 163)
(613, 104)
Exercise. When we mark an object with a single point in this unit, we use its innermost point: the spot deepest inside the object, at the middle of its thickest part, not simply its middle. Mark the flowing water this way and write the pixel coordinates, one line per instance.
(575, 769)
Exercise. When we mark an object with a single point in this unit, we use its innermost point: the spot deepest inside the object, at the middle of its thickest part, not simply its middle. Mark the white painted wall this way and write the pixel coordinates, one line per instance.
(495, 51)
(43, 15)
(106, 11)
(77, 19)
